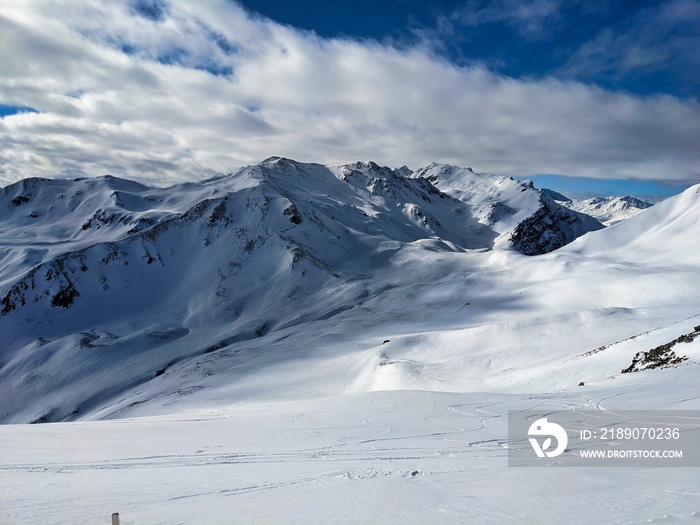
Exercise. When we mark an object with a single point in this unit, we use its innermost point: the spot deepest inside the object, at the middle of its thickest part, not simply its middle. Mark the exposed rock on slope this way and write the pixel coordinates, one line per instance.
(551, 227)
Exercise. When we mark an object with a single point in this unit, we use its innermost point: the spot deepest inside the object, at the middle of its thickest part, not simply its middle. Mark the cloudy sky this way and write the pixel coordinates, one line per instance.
(171, 90)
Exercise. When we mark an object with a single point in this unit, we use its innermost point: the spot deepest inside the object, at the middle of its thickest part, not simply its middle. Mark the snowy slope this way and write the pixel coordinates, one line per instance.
(158, 276)
(501, 202)
(396, 457)
(666, 232)
(298, 333)
(262, 250)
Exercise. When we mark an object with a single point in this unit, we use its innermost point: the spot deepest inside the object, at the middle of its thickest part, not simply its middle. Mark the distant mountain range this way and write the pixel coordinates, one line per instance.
(607, 210)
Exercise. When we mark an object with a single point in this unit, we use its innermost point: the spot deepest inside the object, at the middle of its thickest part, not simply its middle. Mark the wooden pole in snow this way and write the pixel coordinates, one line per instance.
(115, 518)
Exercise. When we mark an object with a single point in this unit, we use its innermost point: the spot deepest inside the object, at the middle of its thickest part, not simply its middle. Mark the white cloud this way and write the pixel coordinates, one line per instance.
(134, 96)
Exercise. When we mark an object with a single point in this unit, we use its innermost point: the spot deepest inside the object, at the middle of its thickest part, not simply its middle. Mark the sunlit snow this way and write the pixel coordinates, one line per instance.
(300, 343)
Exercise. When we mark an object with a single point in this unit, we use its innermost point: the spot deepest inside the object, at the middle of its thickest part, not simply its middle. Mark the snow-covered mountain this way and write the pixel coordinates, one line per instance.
(296, 332)
(608, 210)
(160, 276)
(528, 219)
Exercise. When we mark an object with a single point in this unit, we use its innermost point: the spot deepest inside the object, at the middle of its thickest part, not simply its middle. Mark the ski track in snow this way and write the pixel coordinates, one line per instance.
(376, 447)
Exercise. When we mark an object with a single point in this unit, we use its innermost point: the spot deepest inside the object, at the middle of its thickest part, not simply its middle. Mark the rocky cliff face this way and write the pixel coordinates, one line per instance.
(550, 227)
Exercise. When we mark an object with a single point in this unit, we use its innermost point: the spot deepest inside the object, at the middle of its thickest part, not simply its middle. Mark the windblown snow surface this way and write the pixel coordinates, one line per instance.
(297, 343)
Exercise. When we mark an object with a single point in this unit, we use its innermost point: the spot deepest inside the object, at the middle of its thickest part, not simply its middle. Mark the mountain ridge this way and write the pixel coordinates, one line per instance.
(278, 265)
(608, 210)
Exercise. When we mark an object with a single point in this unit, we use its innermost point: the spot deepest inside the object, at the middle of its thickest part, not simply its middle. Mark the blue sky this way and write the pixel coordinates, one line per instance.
(584, 187)
(14, 110)
(531, 39)
(658, 53)
(172, 90)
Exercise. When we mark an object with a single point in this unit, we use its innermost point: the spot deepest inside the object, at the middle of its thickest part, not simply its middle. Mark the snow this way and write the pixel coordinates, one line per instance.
(663, 233)
(530, 220)
(227, 362)
(608, 210)
(381, 457)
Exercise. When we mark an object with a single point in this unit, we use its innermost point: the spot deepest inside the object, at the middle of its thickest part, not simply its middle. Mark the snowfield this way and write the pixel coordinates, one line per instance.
(379, 457)
(301, 343)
